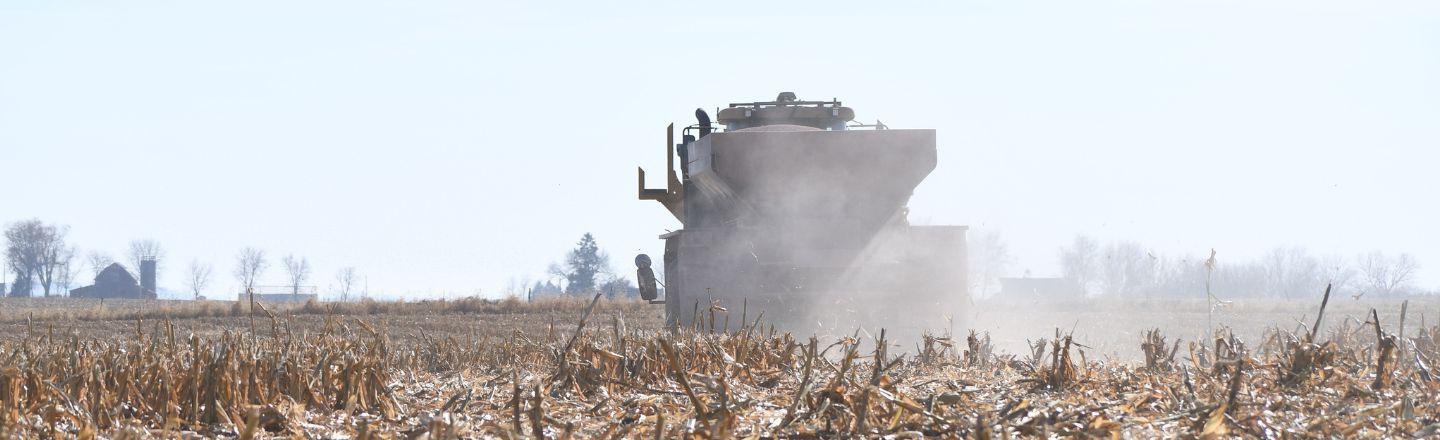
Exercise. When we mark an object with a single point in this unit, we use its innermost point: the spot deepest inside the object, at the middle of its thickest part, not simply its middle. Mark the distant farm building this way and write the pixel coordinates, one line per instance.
(1044, 287)
(276, 294)
(116, 282)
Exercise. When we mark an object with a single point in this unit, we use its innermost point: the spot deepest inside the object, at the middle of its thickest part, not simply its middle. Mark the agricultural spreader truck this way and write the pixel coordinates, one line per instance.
(791, 210)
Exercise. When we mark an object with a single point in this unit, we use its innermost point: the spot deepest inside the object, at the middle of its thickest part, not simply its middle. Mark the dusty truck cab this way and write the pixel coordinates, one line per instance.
(792, 210)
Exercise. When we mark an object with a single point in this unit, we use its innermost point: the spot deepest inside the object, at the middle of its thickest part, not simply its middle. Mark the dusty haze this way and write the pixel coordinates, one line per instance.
(427, 147)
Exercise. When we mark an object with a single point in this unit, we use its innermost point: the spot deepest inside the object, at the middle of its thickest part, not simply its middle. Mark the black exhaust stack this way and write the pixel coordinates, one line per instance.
(704, 119)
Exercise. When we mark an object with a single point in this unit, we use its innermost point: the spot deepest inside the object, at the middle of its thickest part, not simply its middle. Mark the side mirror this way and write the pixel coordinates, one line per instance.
(645, 278)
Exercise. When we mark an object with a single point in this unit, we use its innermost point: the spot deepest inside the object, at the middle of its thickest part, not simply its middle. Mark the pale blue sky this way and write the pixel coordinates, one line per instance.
(445, 147)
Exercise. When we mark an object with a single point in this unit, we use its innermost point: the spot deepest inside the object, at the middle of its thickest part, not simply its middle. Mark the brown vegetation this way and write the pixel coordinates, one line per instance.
(349, 371)
(63, 309)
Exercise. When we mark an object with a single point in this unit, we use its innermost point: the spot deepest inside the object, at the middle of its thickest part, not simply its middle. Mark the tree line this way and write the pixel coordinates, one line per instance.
(584, 271)
(39, 257)
(1130, 269)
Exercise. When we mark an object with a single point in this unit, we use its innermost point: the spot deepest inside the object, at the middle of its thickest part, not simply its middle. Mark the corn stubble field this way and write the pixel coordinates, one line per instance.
(582, 369)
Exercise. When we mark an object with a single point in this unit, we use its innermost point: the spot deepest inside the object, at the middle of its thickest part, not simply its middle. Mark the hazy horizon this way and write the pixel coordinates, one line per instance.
(450, 148)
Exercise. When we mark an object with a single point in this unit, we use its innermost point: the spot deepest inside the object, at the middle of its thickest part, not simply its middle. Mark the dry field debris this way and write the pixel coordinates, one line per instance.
(593, 376)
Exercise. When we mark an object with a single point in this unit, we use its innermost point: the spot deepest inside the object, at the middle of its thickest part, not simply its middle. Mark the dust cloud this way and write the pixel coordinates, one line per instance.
(810, 228)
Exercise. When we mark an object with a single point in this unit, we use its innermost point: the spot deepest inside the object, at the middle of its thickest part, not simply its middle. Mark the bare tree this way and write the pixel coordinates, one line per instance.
(1291, 272)
(147, 249)
(66, 268)
(1387, 275)
(249, 265)
(22, 254)
(52, 258)
(1182, 275)
(98, 261)
(33, 250)
(1127, 269)
(199, 277)
(989, 260)
(1337, 272)
(1078, 262)
(1238, 279)
(515, 288)
(518, 287)
(23, 251)
(1404, 273)
(559, 273)
(615, 286)
(346, 279)
(299, 270)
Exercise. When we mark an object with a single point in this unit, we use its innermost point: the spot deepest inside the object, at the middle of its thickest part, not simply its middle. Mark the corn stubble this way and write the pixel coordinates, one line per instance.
(349, 379)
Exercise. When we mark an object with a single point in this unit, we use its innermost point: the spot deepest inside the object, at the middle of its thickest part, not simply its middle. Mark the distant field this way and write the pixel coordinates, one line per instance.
(1109, 326)
(402, 320)
(55, 307)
